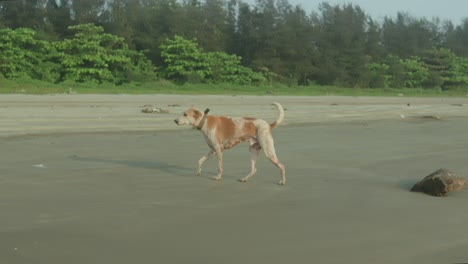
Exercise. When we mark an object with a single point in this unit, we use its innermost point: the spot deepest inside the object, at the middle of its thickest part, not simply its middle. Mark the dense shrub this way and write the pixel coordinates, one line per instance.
(92, 55)
(22, 55)
(187, 62)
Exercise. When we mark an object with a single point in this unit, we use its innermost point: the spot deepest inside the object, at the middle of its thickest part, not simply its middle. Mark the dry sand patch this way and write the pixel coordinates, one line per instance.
(30, 114)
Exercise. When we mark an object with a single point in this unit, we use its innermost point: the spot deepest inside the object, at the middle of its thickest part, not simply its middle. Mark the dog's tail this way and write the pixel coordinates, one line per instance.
(280, 115)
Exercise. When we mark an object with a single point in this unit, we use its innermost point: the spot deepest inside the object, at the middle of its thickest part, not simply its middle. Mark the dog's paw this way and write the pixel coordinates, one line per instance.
(198, 173)
(243, 180)
(282, 182)
(217, 178)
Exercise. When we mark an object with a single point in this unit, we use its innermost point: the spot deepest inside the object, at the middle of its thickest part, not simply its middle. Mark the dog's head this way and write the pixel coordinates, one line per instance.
(192, 117)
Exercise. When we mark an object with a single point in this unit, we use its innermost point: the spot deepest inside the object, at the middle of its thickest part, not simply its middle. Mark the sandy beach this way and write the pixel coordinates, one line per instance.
(92, 179)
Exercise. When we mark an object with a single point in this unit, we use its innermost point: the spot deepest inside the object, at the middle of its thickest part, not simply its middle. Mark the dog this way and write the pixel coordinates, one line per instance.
(223, 133)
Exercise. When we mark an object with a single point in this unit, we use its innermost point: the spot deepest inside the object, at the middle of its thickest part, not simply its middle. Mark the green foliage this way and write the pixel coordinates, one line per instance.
(23, 55)
(438, 62)
(416, 73)
(394, 72)
(379, 75)
(343, 43)
(29, 86)
(460, 72)
(92, 55)
(448, 71)
(185, 61)
(336, 44)
(226, 68)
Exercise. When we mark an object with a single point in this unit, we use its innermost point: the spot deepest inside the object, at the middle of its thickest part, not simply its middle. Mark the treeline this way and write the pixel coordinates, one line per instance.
(228, 41)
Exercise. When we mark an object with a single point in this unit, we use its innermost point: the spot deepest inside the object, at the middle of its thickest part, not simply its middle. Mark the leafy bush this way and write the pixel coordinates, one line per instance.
(379, 77)
(416, 73)
(394, 72)
(22, 55)
(448, 71)
(92, 55)
(226, 68)
(459, 68)
(183, 59)
(187, 62)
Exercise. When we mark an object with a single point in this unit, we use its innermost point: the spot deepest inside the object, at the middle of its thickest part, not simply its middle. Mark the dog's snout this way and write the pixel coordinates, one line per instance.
(176, 121)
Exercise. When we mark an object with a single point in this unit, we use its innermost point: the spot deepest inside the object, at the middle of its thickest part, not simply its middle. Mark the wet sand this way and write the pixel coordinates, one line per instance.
(91, 179)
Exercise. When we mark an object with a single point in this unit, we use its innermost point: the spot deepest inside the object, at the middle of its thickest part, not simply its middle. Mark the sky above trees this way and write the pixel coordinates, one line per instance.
(454, 10)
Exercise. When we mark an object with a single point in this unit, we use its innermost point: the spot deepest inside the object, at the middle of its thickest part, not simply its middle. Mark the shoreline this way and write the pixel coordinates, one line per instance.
(62, 113)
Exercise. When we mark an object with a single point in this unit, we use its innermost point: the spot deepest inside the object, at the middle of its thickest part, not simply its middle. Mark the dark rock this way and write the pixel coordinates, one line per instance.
(439, 183)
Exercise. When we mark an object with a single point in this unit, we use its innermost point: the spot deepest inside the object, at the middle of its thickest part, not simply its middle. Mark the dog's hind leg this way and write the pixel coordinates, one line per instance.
(203, 159)
(268, 145)
(254, 151)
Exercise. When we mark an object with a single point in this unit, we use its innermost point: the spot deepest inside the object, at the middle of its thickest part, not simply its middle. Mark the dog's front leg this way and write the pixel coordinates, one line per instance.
(219, 153)
(203, 159)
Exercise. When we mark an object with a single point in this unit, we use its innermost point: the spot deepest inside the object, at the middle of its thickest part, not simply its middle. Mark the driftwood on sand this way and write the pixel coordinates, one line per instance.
(155, 110)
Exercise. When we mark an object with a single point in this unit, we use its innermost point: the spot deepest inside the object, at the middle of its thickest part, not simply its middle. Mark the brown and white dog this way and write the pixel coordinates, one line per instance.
(225, 132)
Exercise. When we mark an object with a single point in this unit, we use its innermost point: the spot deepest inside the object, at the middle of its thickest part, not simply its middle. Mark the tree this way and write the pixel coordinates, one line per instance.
(26, 13)
(438, 61)
(57, 19)
(88, 11)
(408, 36)
(120, 19)
(246, 38)
(334, 45)
(152, 22)
(374, 48)
(460, 73)
(457, 38)
(342, 45)
(450, 70)
(212, 34)
(294, 44)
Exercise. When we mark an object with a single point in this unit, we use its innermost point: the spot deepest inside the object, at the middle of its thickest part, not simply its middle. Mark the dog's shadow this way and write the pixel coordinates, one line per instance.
(144, 164)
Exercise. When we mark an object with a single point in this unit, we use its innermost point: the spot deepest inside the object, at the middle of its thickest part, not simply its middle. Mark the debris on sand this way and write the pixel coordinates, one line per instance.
(434, 117)
(156, 110)
(439, 183)
(41, 166)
